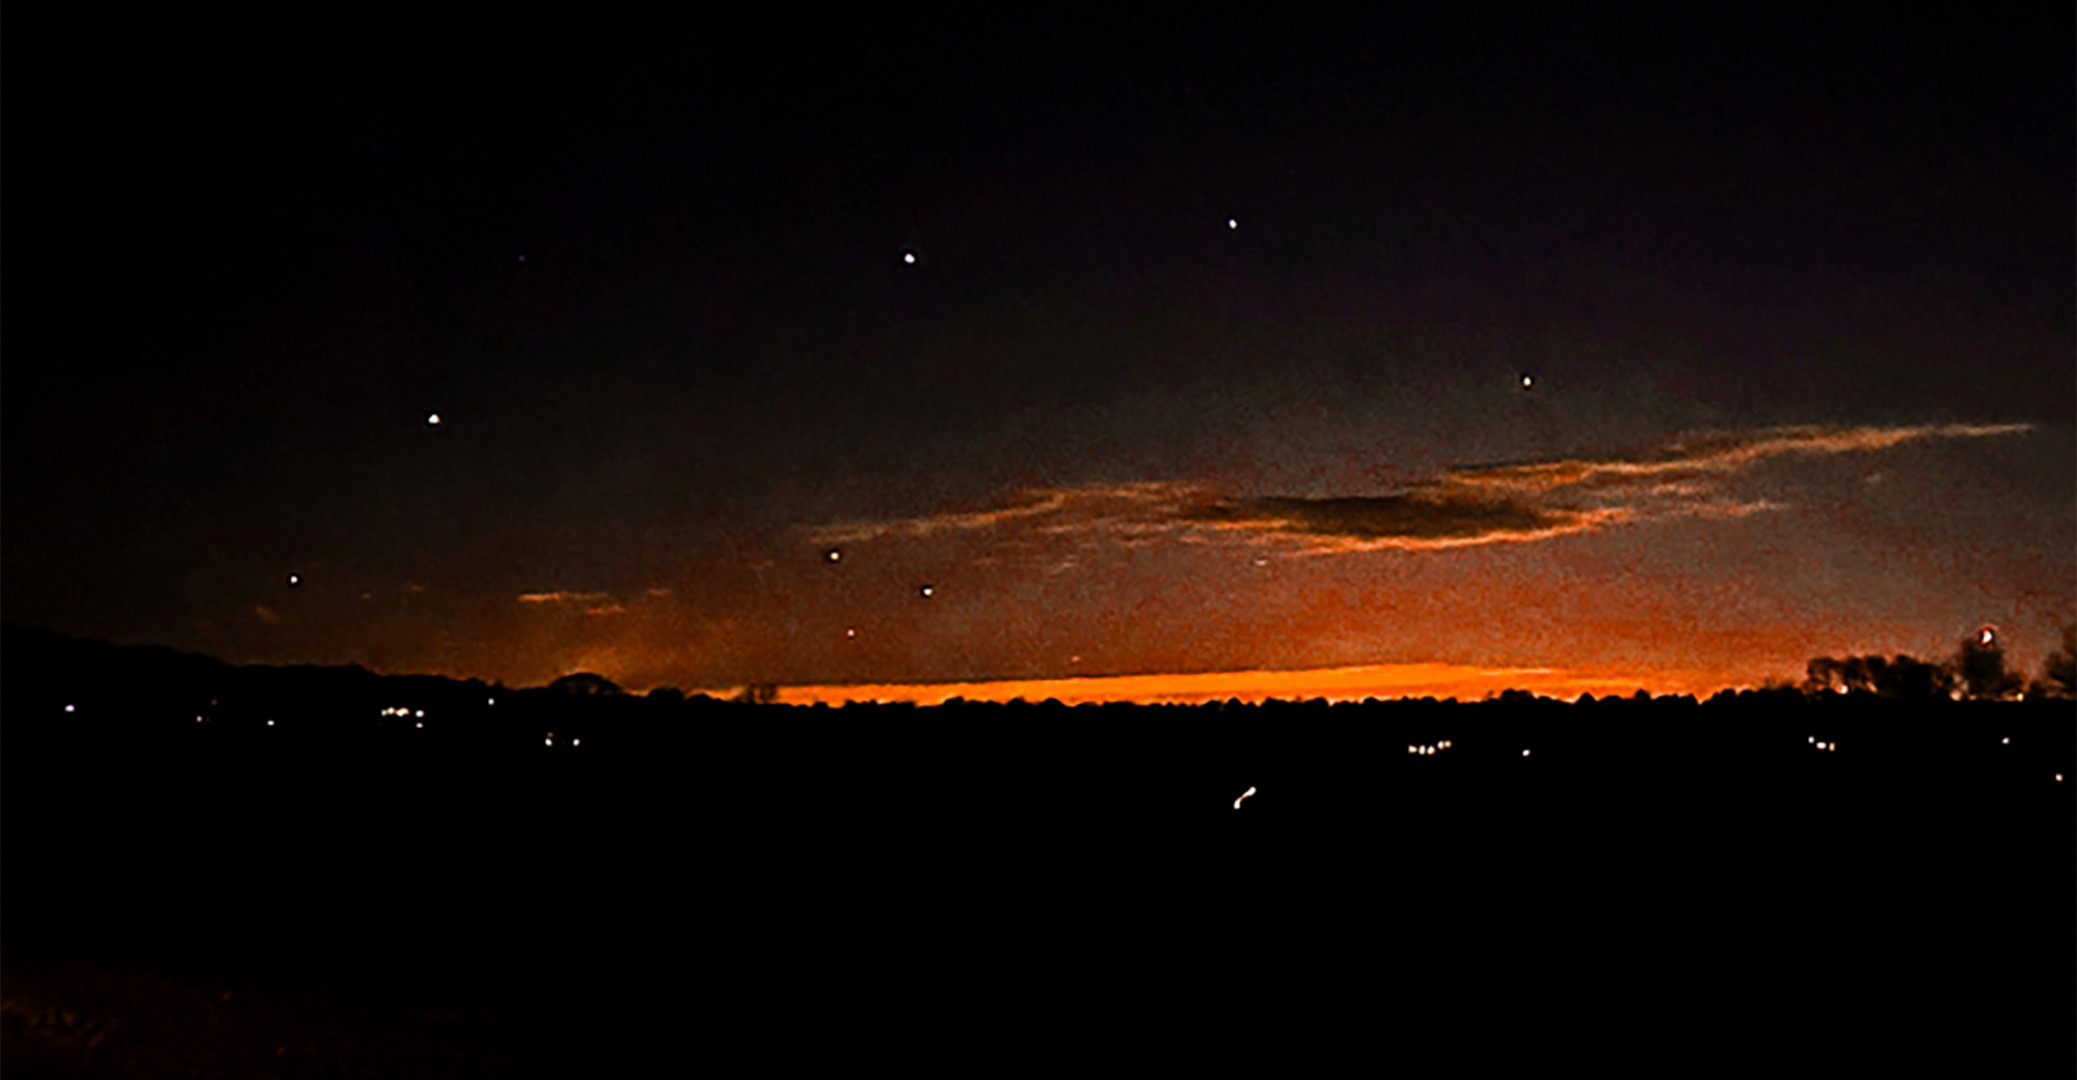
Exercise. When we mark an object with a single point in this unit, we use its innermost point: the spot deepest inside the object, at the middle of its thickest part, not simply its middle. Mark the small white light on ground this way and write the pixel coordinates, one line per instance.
(1243, 795)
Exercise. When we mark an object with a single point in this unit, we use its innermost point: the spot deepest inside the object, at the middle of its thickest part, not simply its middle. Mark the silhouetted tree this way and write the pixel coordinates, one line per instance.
(1979, 669)
(2059, 671)
(1904, 678)
(759, 694)
(584, 682)
(669, 694)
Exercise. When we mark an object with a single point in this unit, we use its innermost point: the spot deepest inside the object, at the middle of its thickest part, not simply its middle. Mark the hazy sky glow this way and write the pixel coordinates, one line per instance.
(1178, 361)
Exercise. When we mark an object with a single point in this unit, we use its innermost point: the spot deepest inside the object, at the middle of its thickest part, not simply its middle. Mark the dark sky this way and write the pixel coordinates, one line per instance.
(1795, 291)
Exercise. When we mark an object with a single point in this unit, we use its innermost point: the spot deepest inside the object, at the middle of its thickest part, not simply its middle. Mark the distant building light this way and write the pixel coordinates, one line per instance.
(492, 701)
(420, 712)
(421, 723)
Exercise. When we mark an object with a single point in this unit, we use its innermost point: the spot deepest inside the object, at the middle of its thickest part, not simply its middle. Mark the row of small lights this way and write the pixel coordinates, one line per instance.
(1423, 750)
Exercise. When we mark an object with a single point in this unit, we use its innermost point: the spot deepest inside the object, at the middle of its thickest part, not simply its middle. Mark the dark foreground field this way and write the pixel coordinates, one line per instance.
(1653, 891)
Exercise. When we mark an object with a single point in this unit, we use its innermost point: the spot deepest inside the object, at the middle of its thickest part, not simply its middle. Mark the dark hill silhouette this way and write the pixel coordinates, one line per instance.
(621, 877)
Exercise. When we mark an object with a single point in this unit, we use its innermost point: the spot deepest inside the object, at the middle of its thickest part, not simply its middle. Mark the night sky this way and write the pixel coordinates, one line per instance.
(1576, 352)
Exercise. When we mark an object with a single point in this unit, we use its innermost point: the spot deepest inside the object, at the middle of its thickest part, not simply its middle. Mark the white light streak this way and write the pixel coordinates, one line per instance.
(1243, 795)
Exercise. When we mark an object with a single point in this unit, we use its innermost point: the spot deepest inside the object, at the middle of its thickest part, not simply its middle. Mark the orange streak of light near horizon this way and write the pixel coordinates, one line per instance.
(1382, 681)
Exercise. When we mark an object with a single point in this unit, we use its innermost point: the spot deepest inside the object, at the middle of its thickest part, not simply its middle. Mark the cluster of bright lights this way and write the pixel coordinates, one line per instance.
(1443, 745)
(420, 713)
(1822, 745)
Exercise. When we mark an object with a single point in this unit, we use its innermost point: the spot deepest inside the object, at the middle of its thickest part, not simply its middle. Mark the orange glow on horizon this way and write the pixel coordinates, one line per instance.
(1383, 681)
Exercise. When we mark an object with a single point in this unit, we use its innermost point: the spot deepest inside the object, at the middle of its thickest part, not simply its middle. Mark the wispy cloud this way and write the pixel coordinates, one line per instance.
(1489, 504)
(561, 597)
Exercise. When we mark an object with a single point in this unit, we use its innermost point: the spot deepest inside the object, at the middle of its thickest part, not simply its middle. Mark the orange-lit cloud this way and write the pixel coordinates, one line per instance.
(565, 598)
(1513, 503)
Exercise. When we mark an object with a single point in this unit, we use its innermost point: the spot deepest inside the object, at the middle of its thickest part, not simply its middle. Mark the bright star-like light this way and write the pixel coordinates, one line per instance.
(421, 723)
(576, 742)
(270, 723)
(69, 708)
(833, 555)
(1232, 224)
(850, 631)
(1243, 795)
(908, 258)
(432, 419)
(1528, 380)
(295, 579)
(927, 590)
(492, 701)
(1525, 753)
(420, 712)
(1985, 636)
(2006, 741)
(2058, 778)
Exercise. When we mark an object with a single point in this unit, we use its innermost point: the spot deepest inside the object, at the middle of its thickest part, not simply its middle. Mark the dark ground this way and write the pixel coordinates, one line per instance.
(1657, 889)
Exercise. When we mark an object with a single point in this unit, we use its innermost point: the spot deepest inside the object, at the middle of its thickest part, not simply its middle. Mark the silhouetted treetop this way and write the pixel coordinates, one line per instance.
(584, 682)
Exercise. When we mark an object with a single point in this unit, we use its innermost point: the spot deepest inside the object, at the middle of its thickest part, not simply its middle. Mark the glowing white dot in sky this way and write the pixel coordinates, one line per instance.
(69, 708)
(834, 555)
(421, 723)
(295, 579)
(928, 589)
(1525, 753)
(2058, 778)
(420, 712)
(1243, 795)
(270, 723)
(1528, 380)
(576, 742)
(492, 701)
(1232, 224)
(1984, 636)
(909, 258)
(851, 631)
(2006, 741)
(432, 419)
(548, 742)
